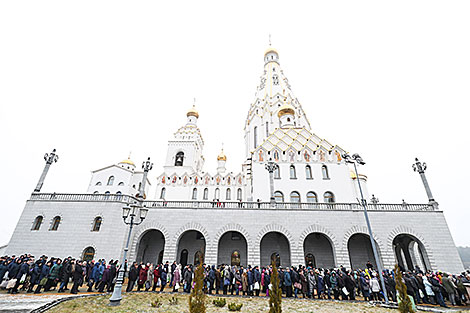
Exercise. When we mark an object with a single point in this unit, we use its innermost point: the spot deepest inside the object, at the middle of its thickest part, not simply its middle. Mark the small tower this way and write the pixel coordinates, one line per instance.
(127, 164)
(221, 159)
(286, 116)
(192, 115)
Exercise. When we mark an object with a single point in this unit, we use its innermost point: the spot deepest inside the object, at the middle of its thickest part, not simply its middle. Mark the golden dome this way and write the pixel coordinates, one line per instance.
(286, 109)
(128, 161)
(270, 49)
(222, 156)
(193, 112)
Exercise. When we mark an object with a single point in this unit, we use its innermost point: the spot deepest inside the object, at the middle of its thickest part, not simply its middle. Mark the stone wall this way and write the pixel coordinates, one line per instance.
(74, 233)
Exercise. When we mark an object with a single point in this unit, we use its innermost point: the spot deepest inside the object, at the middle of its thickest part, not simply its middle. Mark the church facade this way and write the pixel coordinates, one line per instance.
(230, 218)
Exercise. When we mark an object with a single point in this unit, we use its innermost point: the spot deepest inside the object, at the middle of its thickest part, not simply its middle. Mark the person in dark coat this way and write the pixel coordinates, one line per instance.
(34, 272)
(188, 280)
(23, 269)
(211, 278)
(77, 277)
(350, 286)
(163, 278)
(142, 277)
(105, 280)
(133, 275)
(44, 273)
(288, 283)
(112, 275)
(66, 271)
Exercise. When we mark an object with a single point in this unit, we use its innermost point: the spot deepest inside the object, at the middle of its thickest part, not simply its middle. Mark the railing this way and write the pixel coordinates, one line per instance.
(230, 204)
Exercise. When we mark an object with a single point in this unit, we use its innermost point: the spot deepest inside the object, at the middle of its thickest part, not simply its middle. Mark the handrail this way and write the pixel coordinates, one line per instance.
(230, 204)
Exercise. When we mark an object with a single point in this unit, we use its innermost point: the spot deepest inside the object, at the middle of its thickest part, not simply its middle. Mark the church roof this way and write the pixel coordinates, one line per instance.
(297, 138)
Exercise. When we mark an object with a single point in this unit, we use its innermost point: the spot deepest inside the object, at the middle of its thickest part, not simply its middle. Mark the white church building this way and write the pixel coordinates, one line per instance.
(229, 217)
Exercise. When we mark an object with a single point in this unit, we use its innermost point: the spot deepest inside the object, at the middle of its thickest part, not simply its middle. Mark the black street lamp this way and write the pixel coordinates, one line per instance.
(127, 211)
(146, 166)
(421, 168)
(355, 158)
(49, 158)
(271, 167)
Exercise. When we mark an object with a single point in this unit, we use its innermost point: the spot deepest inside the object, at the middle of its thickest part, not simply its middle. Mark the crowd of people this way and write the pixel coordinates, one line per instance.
(26, 273)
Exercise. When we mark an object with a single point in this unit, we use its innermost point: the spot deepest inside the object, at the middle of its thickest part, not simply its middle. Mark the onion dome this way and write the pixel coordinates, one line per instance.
(192, 112)
(222, 156)
(270, 49)
(285, 109)
(127, 161)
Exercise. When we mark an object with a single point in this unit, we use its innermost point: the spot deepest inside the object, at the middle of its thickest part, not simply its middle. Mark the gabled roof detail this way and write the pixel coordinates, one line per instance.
(298, 139)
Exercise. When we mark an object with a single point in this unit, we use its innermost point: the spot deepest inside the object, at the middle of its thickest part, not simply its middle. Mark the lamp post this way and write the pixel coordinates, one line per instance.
(50, 158)
(271, 167)
(127, 211)
(421, 168)
(146, 166)
(355, 158)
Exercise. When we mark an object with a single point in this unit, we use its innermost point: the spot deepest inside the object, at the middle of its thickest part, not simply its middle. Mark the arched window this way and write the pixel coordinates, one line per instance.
(55, 223)
(312, 197)
(292, 172)
(88, 254)
(96, 192)
(324, 171)
(206, 194)
(279, 196)
(118, 193)
(110, 180)
(179, 158)
(295, 197)
(194, 194)
(235, 259)
(239, 194)
(329, 197)
(107, 193)
(308, 172)
(121, 184)
(228, 194)
(37, 223)
(255, 137)
(277, 172)
(217, 193)
(98, 184)
(97, 223)
(162, 193)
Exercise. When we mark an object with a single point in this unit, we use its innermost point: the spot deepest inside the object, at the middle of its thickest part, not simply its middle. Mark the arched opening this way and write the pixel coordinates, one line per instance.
(294, 197)
(360, 251)
(275, 243)
(192, 241)
(292, 172)
(278, 196)
(239, 194)
(194, 197)
(319, 251)
(37, 223)
(329, 197)
(110, 180)
(97, 223)
(88, 254)
(217, 194)
(312, 197)
(277, 172)
(308, 172)
(410, 253)
(162, 193)
(179, 158)
(228, 194)
(55, 223)
(229, 243)
(206, 194)
(151, 244)
(324, 171)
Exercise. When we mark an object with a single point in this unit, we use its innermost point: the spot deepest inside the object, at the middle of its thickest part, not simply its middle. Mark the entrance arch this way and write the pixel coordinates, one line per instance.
(194, 243)
(410, 252)
(151, 246)
(277, 244)
(232, 249)
(318, 251)
(360, 251)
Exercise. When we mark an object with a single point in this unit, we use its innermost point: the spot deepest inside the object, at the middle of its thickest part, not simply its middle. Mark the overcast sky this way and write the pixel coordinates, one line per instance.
(97, 79)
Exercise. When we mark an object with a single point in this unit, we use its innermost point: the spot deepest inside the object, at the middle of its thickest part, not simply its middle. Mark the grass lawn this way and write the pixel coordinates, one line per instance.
(141, 302)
